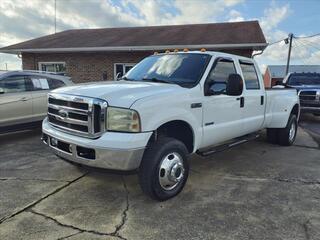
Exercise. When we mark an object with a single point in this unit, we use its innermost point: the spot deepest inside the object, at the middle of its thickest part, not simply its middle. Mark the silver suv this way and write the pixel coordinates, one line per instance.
(23, 97)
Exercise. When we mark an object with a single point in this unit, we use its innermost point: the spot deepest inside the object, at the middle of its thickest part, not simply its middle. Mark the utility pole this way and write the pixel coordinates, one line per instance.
(55, 16)
(289, 40)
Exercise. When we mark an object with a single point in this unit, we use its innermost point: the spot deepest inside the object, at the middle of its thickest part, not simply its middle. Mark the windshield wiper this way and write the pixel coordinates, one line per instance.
(156, 80)
(127, 79)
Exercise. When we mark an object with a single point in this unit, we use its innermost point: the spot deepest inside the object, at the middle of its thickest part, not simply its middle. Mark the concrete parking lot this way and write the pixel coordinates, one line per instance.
(253, 191)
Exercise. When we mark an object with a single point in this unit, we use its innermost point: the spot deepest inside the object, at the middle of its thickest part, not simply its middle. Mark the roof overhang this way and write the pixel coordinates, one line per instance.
(252, 46)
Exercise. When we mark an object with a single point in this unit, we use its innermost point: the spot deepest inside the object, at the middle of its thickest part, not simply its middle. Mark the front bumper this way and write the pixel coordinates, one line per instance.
(125, 154)
(307, 109)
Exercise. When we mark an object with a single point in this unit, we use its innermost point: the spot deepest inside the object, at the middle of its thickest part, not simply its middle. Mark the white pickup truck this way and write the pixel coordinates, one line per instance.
(164, 109)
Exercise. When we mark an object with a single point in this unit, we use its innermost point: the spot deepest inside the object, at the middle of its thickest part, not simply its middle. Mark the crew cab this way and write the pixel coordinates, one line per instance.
(308, 87)
(166, 108)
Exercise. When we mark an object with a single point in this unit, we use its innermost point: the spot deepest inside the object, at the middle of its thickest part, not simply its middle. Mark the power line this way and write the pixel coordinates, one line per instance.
(314, 35)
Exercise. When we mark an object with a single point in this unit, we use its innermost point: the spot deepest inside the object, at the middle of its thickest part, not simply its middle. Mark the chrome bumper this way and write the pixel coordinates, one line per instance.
(102, 158)
(94, 152)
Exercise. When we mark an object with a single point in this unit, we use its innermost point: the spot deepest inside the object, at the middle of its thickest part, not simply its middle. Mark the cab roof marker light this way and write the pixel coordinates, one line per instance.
(185, 49)
(167, 51)
(203, 50)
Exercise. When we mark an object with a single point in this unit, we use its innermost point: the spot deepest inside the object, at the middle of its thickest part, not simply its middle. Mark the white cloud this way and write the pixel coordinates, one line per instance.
(235, 16)
(24, 20)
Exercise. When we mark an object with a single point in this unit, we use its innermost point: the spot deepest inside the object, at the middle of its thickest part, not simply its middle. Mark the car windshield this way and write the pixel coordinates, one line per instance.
(307, 79)
(175, 68)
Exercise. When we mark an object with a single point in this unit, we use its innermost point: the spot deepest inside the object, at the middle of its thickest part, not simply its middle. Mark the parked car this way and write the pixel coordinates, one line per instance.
(308, 87)
(164, 109)
(23, 97)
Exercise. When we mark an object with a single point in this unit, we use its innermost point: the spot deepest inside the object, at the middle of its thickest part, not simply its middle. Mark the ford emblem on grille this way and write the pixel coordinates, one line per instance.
(63, 113)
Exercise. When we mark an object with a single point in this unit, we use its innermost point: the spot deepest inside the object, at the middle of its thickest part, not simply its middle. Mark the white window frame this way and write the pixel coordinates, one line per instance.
(124, 65)
(41, 63)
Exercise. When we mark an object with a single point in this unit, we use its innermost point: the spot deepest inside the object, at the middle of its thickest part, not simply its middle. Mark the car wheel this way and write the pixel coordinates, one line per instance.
(288, 134)
(164, 169)
(272, 135)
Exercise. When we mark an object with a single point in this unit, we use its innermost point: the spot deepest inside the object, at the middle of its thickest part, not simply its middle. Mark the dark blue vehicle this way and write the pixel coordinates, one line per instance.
(308, 87)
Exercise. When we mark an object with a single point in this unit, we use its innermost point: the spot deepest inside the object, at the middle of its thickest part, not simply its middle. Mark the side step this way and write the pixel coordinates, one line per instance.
(223, 147)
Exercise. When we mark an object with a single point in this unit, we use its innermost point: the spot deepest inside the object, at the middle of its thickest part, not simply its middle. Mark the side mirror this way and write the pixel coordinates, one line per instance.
(234, 85)
(1, 91)
(279, 83)
(118, 77)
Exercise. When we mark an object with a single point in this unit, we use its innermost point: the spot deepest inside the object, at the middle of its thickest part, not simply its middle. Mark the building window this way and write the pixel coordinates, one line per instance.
(121, 69)
(58, 67)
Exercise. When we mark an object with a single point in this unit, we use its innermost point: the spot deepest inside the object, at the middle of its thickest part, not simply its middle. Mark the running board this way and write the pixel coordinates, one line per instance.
(223, 147)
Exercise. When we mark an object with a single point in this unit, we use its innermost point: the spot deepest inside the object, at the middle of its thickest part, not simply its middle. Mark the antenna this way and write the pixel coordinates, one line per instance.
(55, 16)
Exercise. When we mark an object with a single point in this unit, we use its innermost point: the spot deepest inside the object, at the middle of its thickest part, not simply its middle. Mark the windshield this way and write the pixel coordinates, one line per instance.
(305, 79)
(180, 68)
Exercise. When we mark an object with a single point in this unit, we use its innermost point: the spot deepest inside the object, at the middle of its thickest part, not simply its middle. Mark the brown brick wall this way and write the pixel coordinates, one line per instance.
(84, 67)
(88, 67)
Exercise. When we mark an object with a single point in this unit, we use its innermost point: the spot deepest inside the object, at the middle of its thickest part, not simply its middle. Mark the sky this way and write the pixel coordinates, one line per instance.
(23, 20)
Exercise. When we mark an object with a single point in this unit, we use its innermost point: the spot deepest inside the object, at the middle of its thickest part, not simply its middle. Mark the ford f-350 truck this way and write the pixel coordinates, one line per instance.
(166, 108)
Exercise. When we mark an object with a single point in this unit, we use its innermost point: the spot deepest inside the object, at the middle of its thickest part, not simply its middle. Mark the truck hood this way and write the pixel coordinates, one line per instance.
(305, 87)
(120, 93)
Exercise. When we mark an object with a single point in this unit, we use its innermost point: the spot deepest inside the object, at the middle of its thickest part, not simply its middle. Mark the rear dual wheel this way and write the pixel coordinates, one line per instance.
(284, 136)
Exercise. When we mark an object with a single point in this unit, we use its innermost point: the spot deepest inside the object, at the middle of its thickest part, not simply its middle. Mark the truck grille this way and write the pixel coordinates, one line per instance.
(307, 95)
(76, 114)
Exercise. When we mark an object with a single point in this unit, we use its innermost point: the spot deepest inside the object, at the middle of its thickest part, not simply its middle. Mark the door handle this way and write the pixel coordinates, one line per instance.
(262, 100)
(23, 99)
(241, 99)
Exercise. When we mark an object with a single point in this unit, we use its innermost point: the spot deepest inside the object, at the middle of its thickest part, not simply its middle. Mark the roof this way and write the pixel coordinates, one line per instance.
(279, 71)
(210, 35)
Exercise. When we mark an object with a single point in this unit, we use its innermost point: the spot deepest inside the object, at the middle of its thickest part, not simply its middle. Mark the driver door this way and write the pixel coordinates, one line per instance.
(15, 101)
(222, 114)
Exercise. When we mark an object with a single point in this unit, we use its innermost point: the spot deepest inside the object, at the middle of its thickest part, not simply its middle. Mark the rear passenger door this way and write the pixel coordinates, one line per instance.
(254, 101)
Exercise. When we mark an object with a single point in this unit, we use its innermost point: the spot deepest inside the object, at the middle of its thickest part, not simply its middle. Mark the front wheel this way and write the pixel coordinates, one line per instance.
(164, 169)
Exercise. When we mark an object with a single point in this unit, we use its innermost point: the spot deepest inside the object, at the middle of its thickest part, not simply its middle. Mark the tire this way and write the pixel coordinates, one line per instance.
(287, 135)
(166, 155)
(272, 135)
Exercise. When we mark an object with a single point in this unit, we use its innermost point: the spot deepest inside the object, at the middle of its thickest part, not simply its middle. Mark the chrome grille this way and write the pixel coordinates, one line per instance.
(76, 114)
(307, 95)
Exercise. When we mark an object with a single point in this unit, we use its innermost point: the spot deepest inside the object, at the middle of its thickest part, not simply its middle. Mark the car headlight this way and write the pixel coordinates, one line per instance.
(122, 120)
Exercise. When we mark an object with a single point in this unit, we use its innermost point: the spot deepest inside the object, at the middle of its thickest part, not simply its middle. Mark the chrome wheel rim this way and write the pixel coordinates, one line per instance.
(292, 131)
(171, 171)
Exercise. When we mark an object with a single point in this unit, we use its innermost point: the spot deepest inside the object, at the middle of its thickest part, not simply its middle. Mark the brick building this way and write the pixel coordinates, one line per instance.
(101, 54)
(276, 73)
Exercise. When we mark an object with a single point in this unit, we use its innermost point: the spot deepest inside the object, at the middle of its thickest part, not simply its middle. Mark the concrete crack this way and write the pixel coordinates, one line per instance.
(80, 230)
(68, 236)
(298, 180)
(124, 213)
(34, 179)
(306, 229)
(41, 199)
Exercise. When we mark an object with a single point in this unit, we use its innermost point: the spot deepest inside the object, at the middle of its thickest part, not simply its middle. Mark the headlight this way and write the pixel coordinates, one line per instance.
(122, 120)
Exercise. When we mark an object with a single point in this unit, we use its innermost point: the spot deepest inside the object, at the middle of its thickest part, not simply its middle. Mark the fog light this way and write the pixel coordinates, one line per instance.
(54, 142)
(70, 148)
